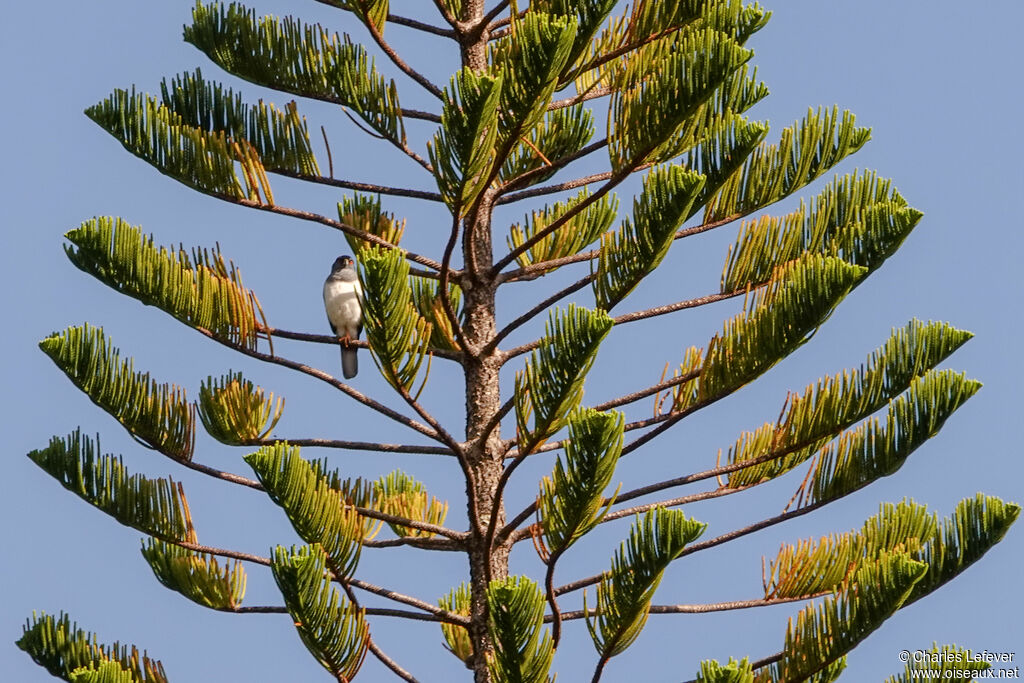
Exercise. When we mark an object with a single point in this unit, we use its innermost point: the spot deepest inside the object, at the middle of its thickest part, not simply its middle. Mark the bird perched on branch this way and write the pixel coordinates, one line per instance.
(343, 300)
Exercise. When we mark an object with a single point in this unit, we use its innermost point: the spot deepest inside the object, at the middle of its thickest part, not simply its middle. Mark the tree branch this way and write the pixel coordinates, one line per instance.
(442, 289)
(331, 339)
(537, 310)
(370, 611)
(710, 543)
(358, 446)
(447, 16)
(590, 94)
(422, 26)
(636, 315)
(700, 609)
(495, 11)
(324, 377)
(400, 63)
(525, 178)
(443, 615)
(372, 646)
(337, 225)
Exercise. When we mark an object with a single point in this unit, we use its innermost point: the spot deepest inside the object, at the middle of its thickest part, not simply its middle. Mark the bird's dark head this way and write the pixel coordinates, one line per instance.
(341, 262)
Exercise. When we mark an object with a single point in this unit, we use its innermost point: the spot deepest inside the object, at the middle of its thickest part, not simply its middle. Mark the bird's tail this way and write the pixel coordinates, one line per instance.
(349, 363)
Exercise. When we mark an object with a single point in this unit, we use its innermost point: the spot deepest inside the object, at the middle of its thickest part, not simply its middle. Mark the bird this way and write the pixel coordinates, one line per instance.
(343, 301)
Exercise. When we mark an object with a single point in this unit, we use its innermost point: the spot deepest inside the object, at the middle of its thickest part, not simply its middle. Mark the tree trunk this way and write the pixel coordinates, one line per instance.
(483, 396)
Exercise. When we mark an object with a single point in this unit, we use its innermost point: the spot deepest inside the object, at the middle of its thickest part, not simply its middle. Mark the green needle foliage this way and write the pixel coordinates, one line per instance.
(154, 506)
(280, 138)
(462, 150)
(625, 593)
(200, 289)
(629, 255)
(63, 649)
(237, 412)
(583, 228)
(522, 649)
(456, 638)
(301, 59)
(331, 627)
(946, 546)
(821, 635)
(551, 386)
(731, 672)
(559, 135)
(318, 511)
(837, 402)
(158, 415)
(197, 576)
(401, 495)
(570, 502)
(674, 86)
(399, 336)
(365, 213)
(108, 671)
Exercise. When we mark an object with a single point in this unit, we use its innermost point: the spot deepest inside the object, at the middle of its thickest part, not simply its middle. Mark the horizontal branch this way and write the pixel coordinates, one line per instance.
(531, 271)
(362, 187)
(443, 615)
(358, 446)
(637, 315)
(525, 178)
(359, 344)
(337, 225)
(702, 609)
(537, 310)
(337, 384)
(552, 189)
(589, 94)
(370, 611)
(710, 543)
(422, 26)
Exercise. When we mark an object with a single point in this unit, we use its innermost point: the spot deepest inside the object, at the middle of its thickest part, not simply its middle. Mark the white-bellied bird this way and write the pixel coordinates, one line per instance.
(343, 300)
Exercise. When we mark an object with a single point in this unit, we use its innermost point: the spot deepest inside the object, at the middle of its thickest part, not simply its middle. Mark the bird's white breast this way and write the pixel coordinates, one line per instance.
(342, 301)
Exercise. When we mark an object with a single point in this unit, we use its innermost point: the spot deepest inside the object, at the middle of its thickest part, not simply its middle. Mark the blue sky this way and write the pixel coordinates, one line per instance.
(935, 81)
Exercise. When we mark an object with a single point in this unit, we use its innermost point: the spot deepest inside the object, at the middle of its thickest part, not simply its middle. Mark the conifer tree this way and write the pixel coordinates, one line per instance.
(676, 82)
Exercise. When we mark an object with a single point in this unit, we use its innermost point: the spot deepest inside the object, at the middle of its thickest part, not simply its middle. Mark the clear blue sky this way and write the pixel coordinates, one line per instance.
(937, 82)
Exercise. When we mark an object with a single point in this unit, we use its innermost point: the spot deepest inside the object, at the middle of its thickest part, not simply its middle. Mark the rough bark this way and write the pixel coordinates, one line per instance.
(483, 396)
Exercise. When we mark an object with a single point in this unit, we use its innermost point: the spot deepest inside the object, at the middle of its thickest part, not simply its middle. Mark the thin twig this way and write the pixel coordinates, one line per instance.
(447, 16)
(590, 94)
(330, 159)
(370, 611)
(616, 178)
(551, 189)
(531, 271)
(640, 315)
(372, 646)
(445, 615)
